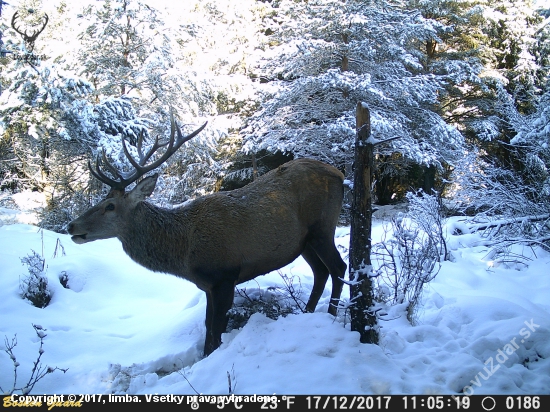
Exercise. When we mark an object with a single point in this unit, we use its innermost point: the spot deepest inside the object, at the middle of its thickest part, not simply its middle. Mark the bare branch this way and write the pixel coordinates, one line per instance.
(38, 371)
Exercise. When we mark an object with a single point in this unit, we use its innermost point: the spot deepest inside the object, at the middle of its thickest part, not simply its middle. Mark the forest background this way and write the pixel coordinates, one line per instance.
(462, 85)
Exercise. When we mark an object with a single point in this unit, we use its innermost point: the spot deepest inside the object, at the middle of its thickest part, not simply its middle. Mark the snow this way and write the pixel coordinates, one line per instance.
(119, 328)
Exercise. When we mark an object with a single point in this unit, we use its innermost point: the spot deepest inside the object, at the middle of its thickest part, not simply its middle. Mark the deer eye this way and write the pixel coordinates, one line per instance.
(110, 206)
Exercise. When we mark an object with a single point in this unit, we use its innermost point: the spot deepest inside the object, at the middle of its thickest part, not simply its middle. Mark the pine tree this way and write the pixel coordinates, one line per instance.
(125, 51)
(516, 55)
(515, 51)
(327, 56)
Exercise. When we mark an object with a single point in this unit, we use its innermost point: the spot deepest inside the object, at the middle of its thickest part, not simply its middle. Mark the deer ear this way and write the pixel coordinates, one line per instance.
(144, 188)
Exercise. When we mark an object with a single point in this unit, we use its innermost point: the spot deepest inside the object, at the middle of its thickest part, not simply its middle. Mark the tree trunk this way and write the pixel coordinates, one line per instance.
(363, 318)
(254, 167)
(431, 48)
(429, 179)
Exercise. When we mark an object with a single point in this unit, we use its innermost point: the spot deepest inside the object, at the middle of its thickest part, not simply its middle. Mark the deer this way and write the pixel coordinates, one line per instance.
(222, 239)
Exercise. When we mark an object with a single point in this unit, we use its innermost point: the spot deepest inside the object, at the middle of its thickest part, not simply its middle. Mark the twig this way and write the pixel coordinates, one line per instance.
(187, 380)
(38, 371)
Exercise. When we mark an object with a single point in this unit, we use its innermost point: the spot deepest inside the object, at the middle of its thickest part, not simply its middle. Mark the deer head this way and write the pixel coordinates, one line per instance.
(119, 203)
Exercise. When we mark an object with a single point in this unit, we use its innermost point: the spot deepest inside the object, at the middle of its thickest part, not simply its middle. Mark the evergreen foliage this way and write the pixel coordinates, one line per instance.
(328, 55)
(463, 83)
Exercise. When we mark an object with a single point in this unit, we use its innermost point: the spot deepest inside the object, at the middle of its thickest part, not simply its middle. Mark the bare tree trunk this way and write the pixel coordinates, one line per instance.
(363, 318)
(254, 167)
(345, 62)
(429, 179)
(431, 48)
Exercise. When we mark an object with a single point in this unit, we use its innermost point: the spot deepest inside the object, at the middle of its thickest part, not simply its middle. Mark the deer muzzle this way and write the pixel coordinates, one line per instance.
(76, 237)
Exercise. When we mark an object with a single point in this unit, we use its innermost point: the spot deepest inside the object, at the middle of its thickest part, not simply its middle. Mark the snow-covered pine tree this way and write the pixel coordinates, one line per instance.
(327, 56)
(217, 46)
(132, 58)
(510, 139)
(50, 126)
(515, 51)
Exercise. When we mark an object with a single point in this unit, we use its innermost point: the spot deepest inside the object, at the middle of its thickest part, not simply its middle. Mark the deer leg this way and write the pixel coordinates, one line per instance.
(219, 300)
(328, 254)
(208, 343)
(320, 277)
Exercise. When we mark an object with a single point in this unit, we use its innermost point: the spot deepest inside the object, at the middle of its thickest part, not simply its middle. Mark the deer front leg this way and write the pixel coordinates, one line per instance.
(218, 301)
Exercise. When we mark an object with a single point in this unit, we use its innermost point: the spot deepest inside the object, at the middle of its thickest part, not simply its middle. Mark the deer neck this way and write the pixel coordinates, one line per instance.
(156, 238)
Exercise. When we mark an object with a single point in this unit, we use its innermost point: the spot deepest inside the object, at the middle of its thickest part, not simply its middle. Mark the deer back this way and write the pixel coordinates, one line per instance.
(242, 233)
(264, 225)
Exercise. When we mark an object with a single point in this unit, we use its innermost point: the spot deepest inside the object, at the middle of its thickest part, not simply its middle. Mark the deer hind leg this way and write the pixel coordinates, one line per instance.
(320, 277)
(329, 256)
(218, 301)
(324, 258)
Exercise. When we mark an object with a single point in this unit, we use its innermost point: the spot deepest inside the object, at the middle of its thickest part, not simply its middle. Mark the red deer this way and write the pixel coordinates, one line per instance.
(220, 240)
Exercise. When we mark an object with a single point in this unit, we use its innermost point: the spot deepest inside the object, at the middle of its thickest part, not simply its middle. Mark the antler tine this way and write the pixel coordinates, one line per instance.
(99, 175)
(136, 165)
(182, 140)
(140, 166)
(35, 35)
(114, 171)
(152, 150)
(94, 173)
(173, 145)
(13, 20)
(143, 158)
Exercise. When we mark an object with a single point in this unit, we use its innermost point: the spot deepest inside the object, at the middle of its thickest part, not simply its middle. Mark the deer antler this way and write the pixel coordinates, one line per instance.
(29, 39)
(141, 167)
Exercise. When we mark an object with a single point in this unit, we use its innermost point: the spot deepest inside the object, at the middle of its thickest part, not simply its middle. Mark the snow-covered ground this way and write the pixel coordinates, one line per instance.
(119, 328)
